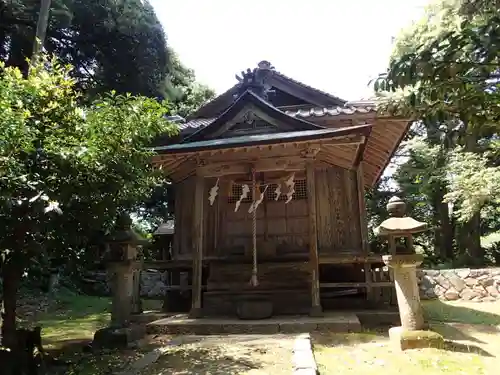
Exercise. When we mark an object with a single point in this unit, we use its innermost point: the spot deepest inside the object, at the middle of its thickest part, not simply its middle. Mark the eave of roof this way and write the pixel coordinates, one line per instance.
(264, 139)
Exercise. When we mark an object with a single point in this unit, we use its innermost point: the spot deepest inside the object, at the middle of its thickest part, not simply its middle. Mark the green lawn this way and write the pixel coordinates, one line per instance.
(472, 331)
(71, 320)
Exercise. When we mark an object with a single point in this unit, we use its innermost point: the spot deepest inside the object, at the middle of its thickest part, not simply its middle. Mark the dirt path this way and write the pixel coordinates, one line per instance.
(225, 355)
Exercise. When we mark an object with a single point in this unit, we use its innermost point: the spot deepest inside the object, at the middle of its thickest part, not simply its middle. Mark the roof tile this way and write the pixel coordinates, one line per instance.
(349, 109)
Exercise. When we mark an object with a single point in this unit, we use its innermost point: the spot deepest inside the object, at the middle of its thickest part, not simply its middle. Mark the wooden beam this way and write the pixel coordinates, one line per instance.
(197, 247)
(313, 239)
(263, 165)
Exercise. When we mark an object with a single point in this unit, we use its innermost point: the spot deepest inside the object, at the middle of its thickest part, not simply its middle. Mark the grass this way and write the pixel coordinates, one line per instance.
(472, 331)
(69, 321)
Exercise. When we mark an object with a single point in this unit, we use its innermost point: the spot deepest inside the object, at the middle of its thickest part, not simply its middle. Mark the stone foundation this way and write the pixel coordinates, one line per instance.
(153, 284)
(478, 285)
(452, 284)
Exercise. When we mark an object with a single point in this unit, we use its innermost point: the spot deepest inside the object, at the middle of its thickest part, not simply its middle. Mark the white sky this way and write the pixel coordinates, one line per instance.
(336, 46)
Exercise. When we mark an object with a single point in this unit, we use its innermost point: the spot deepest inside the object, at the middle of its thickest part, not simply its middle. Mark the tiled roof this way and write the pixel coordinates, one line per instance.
(349, 109)
(332, 111)
(309, 87)
(195, 123)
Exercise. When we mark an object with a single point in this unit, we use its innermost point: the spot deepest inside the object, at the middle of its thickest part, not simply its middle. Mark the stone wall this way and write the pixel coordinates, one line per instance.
(460, 284)
(153, 284)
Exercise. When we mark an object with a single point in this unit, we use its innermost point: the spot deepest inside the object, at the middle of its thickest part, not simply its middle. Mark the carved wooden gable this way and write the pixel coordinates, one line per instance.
(250, 123)
(250, 115)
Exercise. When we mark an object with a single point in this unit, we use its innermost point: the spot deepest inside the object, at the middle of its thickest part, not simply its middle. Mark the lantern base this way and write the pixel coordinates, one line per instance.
(117, 338)
(406, 339)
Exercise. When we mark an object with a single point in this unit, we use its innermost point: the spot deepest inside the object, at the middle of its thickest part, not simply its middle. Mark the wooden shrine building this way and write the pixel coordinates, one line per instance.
(270, 214)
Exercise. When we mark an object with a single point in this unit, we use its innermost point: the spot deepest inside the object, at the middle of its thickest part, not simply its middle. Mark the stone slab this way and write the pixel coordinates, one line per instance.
(182, 324)
(303, 356)
(117, 338)
(405, 339)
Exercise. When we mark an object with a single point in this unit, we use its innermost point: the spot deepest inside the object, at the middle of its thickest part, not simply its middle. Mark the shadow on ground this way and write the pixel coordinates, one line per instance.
(330, 339)
(199, 361)
(466, 348)
(470, 313)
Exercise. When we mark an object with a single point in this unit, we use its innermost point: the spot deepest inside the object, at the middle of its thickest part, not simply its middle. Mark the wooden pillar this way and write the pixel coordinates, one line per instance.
(313, 240)
(363, 222)
(363, 226)
(197, 247)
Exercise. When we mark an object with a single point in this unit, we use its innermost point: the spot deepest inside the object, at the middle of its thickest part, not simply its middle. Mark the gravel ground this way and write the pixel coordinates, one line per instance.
(218, 355)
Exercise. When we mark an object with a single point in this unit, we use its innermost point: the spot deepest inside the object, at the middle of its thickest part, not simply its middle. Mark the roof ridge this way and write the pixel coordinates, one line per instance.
(310, 87)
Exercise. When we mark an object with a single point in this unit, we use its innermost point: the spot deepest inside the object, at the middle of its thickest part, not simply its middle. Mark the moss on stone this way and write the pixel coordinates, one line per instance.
(416, 339)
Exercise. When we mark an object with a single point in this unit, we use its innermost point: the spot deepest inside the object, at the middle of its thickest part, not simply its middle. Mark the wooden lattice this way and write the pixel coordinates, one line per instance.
(235, 194)
(300, 192)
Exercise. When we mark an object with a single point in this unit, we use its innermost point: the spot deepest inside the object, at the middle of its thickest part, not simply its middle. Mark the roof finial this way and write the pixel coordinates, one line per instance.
(256, 80)
(396, 207)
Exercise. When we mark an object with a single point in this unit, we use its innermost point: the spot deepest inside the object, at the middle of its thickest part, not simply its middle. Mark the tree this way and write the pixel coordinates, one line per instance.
(112, 44)
(181, 87)
(444, 72)
(66, 169)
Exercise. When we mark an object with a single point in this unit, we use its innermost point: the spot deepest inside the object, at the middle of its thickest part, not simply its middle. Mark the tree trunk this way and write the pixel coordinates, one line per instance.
(12, 273)
(446, 248)
(470, 242)
(470, 234)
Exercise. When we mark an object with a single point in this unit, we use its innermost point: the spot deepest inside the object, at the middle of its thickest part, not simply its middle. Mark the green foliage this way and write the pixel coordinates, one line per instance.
(113, 45)
(67, 169)
(474, 185)
(181, 88)
(444, 74)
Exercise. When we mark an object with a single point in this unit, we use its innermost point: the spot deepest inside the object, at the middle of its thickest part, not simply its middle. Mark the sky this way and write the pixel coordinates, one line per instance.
(336, 46)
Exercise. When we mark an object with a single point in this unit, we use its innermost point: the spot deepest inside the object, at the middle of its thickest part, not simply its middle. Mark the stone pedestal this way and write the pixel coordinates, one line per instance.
(412, 333)
(404, 267)
(124, 271)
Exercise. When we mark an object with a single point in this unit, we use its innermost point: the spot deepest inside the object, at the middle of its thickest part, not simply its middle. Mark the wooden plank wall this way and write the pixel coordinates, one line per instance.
(281, 228)
(337, 211)
(183, 211)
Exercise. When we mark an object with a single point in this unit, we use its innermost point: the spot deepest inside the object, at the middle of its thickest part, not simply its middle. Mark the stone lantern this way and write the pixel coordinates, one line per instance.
(124, 266)
(404, 261)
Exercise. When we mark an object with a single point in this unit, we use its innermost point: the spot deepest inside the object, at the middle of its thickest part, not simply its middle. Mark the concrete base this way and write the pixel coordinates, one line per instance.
(117, 338)
(182, 324)
(404, 339)
(195, 313)
(316, 311)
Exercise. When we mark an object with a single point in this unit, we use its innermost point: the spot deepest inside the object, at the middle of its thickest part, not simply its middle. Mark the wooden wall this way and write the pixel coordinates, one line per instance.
(281, 228)
(337, 211)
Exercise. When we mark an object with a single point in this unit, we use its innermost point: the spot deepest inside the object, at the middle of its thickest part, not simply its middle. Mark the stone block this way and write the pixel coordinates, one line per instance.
(405, 339)
(470, 281)
(457, 283)
(451, 295)
(463, 273)
(468, 294)
(298, 327)
(254, 309)
(117, 338)
(492, 290)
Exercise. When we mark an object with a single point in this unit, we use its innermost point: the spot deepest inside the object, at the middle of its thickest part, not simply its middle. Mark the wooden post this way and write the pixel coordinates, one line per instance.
(313, 240)
(363, 222)
(363, 227)
(197, 247)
